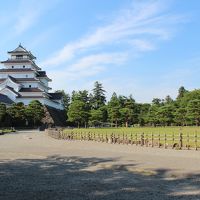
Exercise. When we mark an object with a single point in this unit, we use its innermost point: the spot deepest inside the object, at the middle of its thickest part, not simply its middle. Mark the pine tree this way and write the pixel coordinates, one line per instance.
(98, 97)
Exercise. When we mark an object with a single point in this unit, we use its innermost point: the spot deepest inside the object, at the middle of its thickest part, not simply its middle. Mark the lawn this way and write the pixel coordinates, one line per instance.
(163, 136)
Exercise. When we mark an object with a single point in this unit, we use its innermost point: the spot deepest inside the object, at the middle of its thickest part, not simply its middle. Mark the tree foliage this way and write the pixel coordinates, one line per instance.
(35, 112)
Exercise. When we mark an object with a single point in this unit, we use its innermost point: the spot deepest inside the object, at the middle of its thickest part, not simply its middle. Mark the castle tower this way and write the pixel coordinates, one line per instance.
(21, 80)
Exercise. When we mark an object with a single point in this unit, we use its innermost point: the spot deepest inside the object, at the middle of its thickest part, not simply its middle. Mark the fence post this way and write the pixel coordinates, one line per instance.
(188, 141)
(181, 140)
(113, 139)
(136, 139)
(126, 139)
(196, 147)
(142, 139)
(159, 140)
(131, 138)
(165, 140)
(118, 138)
(147, 139)
(152, 136)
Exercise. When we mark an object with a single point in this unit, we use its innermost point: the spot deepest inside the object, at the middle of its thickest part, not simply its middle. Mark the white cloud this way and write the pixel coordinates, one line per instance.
(132, 31)
(142, 45)
(88, 66)
(142, 23)
(98, 59)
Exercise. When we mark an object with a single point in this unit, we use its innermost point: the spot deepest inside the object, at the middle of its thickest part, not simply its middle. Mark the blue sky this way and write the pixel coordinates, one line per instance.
(144, 48)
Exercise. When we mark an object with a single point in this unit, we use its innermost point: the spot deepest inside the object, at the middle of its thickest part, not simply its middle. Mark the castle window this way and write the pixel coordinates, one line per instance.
(12, 66)
(26, 76)
(19, 57)
(29, 86)
(23, 66)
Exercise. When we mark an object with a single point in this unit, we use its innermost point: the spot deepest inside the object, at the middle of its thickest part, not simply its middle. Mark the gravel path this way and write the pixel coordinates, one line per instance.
(35, 166)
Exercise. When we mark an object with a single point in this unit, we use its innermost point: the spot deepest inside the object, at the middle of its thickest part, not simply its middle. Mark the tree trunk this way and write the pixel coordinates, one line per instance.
(126, 124)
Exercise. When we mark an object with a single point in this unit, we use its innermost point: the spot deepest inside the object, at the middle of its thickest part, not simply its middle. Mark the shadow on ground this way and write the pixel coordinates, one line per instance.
(56, 178)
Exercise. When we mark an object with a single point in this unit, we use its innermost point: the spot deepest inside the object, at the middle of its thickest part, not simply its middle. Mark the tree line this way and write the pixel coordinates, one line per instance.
(19, 115)
(91, 109)
(84, 109)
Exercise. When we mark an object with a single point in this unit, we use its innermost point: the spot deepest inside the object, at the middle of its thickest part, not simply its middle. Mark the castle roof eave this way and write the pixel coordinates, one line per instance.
(5, 99)
(20, 49)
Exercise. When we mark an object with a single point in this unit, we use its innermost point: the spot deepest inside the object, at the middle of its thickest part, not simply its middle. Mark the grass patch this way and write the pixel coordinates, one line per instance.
(159, 136)
(4, 131)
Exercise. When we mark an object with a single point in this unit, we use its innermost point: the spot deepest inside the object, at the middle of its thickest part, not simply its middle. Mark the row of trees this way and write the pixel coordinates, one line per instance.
(85, 109)
(20, 115)
(91, 109)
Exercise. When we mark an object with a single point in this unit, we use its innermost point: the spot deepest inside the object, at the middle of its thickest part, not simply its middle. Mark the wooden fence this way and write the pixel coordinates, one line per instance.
(174, 141)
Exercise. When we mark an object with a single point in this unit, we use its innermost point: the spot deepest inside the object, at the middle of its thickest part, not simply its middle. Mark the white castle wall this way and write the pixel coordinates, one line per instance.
(33, 84)
(31, 93)
(42, 100)
(18, 75)
(18, 66)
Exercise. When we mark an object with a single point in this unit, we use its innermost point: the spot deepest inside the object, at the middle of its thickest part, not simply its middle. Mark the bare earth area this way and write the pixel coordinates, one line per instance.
(35, 166)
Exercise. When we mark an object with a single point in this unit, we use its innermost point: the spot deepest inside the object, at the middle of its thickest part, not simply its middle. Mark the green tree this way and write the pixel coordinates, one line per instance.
(165, 114)
(143, 113)
(98, 96)
(113, 109)
(181, 92)
(157, 101)
(78, 113)
(127, 108)
(2, 113)
(193, 111)
(35, 112)
(96, 117)
(153, 115)
(168, 100)
(180, 116)
(17, 114)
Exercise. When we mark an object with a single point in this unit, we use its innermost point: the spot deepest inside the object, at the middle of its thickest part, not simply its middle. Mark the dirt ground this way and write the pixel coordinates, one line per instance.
(35, 166)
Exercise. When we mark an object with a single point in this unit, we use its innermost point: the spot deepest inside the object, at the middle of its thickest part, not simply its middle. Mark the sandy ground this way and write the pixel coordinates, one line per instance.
(35, 166)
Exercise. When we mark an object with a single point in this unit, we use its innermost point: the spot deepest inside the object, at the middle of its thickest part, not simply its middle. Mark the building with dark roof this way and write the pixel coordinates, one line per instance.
(21, 80)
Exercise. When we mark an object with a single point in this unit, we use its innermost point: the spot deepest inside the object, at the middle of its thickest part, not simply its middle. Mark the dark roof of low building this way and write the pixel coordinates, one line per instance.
(56, 95)
(5, 99)
(30, 90)
(17, 70)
